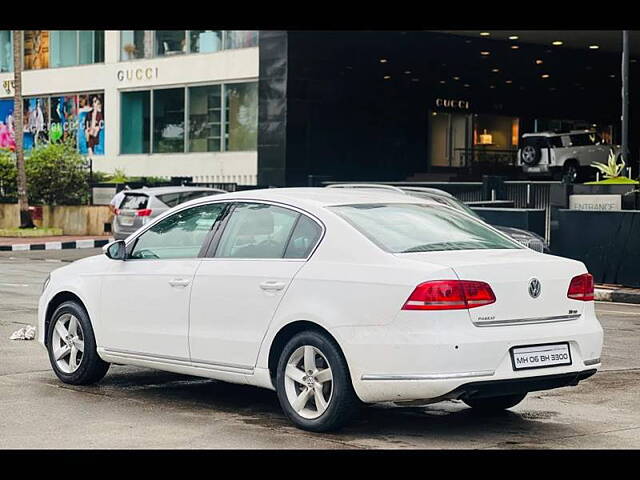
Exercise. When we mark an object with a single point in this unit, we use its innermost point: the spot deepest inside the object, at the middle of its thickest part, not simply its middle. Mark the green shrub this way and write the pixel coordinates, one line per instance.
(8, 176)
(57, 175)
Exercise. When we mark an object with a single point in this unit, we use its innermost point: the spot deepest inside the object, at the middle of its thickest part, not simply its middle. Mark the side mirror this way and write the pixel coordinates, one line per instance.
(116, 250)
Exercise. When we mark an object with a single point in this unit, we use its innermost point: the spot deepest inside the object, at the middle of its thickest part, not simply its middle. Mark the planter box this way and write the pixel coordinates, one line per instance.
(605, 241)
(72, 219)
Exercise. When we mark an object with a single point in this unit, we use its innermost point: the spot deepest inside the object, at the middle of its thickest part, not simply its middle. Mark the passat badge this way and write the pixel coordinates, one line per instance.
(534, 288)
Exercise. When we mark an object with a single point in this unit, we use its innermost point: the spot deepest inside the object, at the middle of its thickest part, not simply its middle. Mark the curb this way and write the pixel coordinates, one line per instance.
(620, 295)
(85, 243)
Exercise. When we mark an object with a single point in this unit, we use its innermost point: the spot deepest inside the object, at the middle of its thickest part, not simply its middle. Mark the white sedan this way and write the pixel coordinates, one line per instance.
(330, 298)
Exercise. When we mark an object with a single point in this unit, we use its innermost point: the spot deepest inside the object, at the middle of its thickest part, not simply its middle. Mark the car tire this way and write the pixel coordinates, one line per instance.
(571, 172)
(495, 404)
(70, 331)
(315, 403)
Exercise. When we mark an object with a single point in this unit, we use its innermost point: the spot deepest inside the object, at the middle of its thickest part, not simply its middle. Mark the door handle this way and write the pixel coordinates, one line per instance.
(179, 282)
(271, 285)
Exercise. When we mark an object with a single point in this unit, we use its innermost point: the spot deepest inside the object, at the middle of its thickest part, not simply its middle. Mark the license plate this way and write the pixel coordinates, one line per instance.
(540, 356)
(534, 169)
(126, 221)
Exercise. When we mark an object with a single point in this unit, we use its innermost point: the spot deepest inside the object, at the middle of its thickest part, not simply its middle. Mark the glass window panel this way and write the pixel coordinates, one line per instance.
(205, 41)
(241, 125)
(91, 127)
(7, 127)
(36, 49)
(304, 238)
(85, 46)
(205, 117)
(64, 119)
(36, 121)
(170, 42)
(98, 46)
(168, 120)
(6, 51)
(64, 48)
(405, 227)
(179, 236)
(256, 231)
(135, 113)
(133, 45)
(241, 39)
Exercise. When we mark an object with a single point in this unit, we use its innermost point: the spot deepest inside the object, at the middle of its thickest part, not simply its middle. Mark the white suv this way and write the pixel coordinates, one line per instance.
(562, 154)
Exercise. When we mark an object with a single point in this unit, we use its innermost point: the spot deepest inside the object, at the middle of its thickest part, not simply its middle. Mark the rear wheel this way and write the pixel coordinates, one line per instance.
(313, 383)
(494, 404)
(72, 346)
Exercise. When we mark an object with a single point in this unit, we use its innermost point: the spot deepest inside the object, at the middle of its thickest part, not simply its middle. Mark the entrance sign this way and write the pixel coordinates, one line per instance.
(103, 195)
(601, 203)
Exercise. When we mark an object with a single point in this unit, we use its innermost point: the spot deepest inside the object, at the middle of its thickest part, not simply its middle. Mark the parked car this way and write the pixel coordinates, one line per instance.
(331, 298)
(562, 155)
(141, 205)
(528, 239)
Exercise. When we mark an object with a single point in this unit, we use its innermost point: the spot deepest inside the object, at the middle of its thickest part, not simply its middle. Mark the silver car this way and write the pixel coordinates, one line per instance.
(140, 205)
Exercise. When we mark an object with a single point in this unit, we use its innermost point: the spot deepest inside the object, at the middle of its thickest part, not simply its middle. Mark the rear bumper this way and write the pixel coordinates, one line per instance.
(419, 358)
(494, 388)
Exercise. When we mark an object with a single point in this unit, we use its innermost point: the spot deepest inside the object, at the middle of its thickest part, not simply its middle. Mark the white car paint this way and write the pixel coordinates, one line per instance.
(221, 323)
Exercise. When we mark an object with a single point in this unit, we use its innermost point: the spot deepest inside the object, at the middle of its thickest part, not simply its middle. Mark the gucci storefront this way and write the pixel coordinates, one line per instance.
(396, 106)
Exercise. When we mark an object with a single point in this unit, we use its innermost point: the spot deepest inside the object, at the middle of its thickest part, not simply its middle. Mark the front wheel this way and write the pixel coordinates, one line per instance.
(72, 346)
(313, 383)
(494, 404)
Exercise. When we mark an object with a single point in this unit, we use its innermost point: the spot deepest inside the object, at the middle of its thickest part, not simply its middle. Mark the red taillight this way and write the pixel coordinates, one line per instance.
(581, 287)
(144, 213)
(449, 295)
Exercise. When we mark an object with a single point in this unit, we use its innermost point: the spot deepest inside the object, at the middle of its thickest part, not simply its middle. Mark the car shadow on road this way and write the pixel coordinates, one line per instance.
(449, 423)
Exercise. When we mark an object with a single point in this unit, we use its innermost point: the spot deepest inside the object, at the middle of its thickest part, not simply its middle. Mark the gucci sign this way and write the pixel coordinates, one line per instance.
(452, 103)
(148, 73)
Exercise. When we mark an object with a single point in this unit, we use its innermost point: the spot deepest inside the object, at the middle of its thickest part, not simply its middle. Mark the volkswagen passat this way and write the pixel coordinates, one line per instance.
(331, 298)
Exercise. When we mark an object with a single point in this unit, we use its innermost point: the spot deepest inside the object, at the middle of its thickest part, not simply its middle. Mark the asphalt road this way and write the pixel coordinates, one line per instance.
(140, 408)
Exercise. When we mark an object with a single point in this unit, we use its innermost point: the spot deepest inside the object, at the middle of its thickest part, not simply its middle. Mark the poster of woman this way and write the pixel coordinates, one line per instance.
(91, 124)
(36, 120)
(7, 131)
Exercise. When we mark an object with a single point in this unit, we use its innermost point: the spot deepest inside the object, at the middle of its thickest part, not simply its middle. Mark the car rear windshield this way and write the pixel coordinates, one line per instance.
(134, 201)
(542, 142)
(176, 198)
(408, 227)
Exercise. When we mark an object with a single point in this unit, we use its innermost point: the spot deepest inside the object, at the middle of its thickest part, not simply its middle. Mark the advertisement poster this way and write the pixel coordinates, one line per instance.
(64, 119)
(36, 122)
(36, 49)
(7, 128)
(91, 124)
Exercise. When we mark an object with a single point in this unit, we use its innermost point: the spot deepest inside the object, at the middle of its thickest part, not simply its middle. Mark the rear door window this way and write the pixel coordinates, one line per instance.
(256, 230)
(134, 201)
(303, 239)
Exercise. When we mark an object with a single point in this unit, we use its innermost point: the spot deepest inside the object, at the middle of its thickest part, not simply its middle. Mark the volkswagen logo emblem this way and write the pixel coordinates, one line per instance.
(534, 288)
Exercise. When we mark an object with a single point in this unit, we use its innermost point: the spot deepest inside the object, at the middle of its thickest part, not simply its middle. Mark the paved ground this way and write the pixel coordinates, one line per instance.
(139, 408)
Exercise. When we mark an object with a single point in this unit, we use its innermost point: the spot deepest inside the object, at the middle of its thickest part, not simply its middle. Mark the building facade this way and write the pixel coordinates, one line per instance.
(149, 103)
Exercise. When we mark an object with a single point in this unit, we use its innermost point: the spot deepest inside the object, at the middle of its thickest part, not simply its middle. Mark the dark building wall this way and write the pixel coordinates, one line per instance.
(326, 110)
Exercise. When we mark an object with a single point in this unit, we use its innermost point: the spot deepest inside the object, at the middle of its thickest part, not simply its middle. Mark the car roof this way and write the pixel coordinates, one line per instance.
(173, 189)
(557, 134)
(316, 197)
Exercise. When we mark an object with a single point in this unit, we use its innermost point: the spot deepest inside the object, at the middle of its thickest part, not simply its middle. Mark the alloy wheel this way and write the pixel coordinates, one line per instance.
(308, 382)
(68, 343)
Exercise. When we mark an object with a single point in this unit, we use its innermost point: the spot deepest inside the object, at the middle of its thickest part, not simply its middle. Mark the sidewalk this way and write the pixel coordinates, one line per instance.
(617, 293)
(53, 243)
